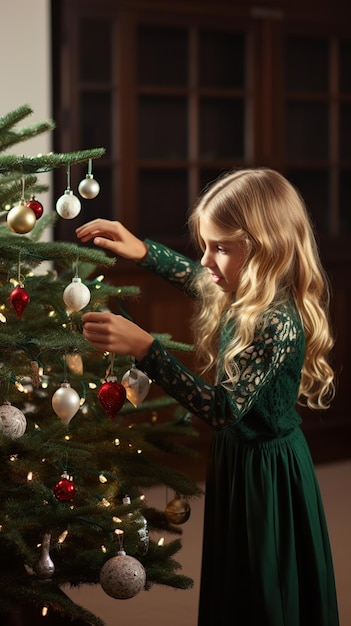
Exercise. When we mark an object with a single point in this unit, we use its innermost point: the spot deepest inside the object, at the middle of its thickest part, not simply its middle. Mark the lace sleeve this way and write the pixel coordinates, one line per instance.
(174, 267)
(219, 405)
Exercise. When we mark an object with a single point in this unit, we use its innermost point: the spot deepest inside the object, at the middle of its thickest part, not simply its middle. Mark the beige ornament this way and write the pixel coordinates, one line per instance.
(137, 385)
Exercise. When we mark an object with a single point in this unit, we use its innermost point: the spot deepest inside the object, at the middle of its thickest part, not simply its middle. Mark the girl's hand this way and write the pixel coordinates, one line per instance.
(113, 333)
(115, 237)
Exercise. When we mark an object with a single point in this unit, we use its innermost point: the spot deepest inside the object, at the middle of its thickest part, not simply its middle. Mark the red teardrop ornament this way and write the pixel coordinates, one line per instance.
(65, 489)
(112, 396)
(36, 206)
(19, 299)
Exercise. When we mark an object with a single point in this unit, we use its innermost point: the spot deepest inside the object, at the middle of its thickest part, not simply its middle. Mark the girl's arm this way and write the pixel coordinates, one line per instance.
(174, 267)
(113, 236)
(217, 405)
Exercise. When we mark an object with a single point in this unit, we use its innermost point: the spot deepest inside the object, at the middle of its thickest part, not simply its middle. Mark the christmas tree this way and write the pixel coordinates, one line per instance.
(80, 438)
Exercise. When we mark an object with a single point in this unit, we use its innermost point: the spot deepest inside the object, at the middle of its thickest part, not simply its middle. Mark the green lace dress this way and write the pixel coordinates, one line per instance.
(266, 553)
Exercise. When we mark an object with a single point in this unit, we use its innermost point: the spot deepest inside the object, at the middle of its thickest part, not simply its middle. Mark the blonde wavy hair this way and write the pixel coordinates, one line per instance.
(281, 263)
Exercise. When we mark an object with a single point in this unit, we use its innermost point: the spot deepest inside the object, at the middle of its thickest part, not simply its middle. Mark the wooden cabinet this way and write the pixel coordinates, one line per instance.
(178, 92)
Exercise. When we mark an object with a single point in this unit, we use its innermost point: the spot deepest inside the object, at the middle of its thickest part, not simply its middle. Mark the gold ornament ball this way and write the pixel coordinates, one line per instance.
(21, 218)
(178, 511)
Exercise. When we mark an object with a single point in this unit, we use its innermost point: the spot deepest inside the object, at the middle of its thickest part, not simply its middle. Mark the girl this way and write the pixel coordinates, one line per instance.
(263, 342)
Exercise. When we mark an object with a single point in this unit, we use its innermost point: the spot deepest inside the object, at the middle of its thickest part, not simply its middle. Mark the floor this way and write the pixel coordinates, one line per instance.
(162, 605)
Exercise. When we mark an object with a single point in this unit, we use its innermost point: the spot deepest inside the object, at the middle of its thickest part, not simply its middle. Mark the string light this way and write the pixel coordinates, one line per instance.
(44, 611)
(102, 478)
(161, 542)
(29, 476)
(117, 442)
(63, 536)
(103, 549)
(119, 533)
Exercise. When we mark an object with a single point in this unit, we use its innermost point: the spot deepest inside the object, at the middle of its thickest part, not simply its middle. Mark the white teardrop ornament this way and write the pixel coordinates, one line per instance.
(65, 402)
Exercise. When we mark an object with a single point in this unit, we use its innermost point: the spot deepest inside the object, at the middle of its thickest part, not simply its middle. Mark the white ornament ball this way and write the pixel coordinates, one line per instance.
(122, 576)
(68, 206)
(13, 423)
(65, 402)
(76, 296)
(89, 187)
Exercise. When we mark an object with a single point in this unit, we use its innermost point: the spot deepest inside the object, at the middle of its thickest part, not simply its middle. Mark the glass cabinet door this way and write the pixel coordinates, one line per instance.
(191, 116)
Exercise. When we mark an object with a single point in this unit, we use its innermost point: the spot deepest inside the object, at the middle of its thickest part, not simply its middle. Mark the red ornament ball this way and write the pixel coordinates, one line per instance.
(36, 206)
(65, 489)
(112, 396)
(19, 299)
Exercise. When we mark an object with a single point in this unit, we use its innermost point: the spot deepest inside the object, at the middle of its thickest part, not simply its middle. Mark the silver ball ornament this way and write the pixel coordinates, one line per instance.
(122, 577)
(76, 296)
(68, 206)
(21, 219)
(89, 188)
(65, 402)
(13, 423)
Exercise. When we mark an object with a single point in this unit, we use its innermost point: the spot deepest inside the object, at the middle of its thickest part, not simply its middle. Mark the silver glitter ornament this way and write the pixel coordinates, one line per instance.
(13, 423)
(122, 577)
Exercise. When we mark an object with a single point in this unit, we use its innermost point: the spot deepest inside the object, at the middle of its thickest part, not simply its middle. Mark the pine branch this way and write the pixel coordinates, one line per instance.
(11, 137)
(46, 162)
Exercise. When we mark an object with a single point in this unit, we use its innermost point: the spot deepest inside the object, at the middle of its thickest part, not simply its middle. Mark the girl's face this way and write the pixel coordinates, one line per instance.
(223, 257)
